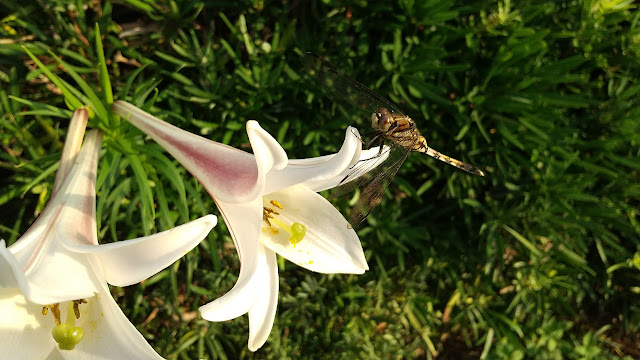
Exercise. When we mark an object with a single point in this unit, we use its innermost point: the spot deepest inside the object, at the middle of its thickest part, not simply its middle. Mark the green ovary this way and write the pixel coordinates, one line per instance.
(296, 230)
(68, 335)
(297, 233)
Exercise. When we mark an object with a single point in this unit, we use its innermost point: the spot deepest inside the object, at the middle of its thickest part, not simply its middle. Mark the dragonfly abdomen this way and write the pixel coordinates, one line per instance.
(451, 161)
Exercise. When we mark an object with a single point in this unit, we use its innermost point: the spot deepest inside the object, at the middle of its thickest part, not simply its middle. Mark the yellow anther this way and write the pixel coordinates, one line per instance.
(55, 310)
(276, 204)
(267, 213)
(76, 309)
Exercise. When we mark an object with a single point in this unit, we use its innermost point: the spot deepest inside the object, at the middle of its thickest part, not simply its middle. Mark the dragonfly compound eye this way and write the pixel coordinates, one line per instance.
(384, 121)
(375, 117)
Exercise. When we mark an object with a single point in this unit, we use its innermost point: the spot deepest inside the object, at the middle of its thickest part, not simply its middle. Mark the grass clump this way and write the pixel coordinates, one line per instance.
(539, 259)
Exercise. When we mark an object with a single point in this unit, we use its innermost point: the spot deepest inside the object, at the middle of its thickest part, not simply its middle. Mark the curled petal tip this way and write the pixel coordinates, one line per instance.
(82, 112)
(253, 346)
(269, 154)
(237, 302)
(212, 220)
(353, 131)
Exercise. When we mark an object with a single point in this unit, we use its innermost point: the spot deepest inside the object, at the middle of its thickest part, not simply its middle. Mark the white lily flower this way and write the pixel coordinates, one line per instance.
(57, 267)
(270, 206)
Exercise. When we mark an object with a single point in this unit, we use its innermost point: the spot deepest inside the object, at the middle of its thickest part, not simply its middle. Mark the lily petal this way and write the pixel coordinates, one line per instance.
(78, 189)
(263, 311)
(66, 276)
(72, 144)
(244, 223)
(54, 355)
(108, 333)
(317, 169)
(76, 222)
(368, 160)
(329, 245)
(129, 262)
(269, 154)
(9, 269)
(23, 327)
(228, 174)
(45, 266)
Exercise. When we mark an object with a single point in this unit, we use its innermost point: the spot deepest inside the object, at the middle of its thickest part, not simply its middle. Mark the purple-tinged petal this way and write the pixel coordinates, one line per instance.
(72, 144)
(228, 174)
(76, 222)
(45, 264)
(67, 161)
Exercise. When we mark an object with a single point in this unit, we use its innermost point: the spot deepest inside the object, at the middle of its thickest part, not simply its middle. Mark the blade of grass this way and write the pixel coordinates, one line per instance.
(105, 83)
(73, 101)
(95, 101)
(147, 204)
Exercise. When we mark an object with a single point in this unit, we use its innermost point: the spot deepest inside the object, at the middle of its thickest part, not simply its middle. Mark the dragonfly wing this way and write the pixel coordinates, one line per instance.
(358, 175)
(343, 90)
(371, 175)
(372, 182)
(373, 191)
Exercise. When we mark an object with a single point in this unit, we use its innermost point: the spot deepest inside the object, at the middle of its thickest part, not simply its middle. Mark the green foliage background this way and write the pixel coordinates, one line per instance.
(539, 259)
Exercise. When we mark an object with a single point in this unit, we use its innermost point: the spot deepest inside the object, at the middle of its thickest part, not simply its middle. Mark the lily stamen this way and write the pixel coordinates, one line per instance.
(267, 213)
(296, 230)
(76, 307)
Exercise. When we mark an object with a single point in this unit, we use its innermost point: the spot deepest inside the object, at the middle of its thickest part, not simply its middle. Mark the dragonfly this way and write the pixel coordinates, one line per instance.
(394, 134)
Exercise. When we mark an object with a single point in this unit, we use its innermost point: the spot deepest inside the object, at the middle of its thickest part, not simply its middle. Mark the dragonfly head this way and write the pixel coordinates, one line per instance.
(381, 120)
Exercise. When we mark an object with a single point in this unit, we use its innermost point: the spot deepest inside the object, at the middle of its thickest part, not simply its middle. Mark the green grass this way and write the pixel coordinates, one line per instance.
(538, 260)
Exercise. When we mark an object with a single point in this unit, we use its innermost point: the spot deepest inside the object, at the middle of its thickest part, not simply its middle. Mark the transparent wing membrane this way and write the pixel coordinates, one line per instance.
(375, 182)
(343, 90)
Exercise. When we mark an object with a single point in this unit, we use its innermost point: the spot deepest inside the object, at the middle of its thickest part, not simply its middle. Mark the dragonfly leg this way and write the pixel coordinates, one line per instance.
(380, 145)
(354, 132)
(354, 170)
(380, 140)
(374, 137)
